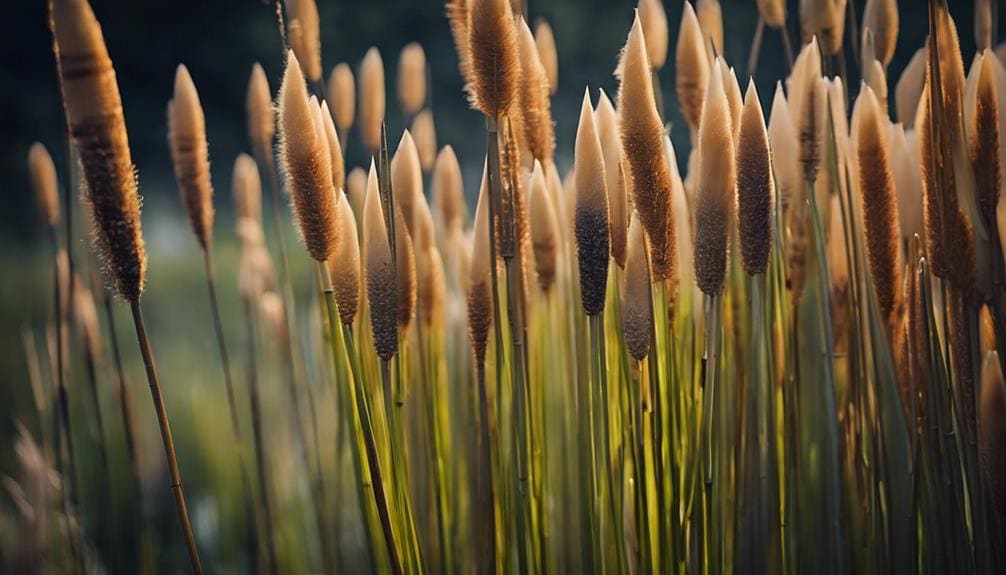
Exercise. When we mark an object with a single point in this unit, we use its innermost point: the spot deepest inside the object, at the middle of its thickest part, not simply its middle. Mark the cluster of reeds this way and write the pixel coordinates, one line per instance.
(784, 359)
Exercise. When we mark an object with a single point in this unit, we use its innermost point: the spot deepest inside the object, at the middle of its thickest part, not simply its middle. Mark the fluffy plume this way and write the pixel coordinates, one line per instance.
(710, 16)
(43, 181)
(535, 103)
(881, 16)
(692, 77)
(824, 19)
(306, 163)
(305, 36)
(246, 187)
(380, 272)
(405, 272)
(189, 153)
(345, 263)
(495, 67)
(992, 432)
(755, 190)
(773, 12)
(591, 212)
(447, 190)
(654, 19)
(356, 190)
(480, 315)
(459, 17)
(342, 95)
(637, 313)
(545, 42)
(782, 136)
(544, 229)
(261, 119)
(682, 214)
(715, 192)
(985, 140)
(642, 144)
(908, 90)
(424, 134)
(809, 108)
(407, 179)
(334, 148)
(371, 99)
(97, 126)
(412, 78)
(905, 162)
(611, 146)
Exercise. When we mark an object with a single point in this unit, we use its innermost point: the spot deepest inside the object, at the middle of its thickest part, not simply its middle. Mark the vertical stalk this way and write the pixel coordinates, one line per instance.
(485, 491)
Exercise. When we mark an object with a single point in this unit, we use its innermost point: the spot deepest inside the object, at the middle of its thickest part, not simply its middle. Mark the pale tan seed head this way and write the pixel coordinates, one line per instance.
(447, 190)
(773, 12)
(407, 178)
(591, 220)
(261, 118)
(424, 134)
(306, 163)
(692, 67)
(305, 36)
(412, 78)
(356, 190)
(783, 140)
(755, 186)
(372, 100)
(345, 263)
(654, 20)
(908, 90)
(256, 273)
(431, 285)
(545, 236)
(480, 315)
(881, 16)
(190, 155)
(992, 432)
(611, 146)
(809, 109)
(716, 190)
(246, 188)
(334, 148)
(494, 57)
(405, 272)
(380, 272)
(984, 145)
(342, 95)
(545, 42)
(637, 313)
(905, 160)
(95, 118)
(44, 183)
(734, 100)
(536, 107)
(876, 79)
(710, 16)
(824, 19)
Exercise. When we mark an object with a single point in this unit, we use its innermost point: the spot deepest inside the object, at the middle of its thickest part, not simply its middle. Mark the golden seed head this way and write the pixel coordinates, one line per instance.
(44, 182)
(345, 263)
(334, 148)
(407, 178)
(536, 107)
(545, 42)
(97, 126)
(190, 155)
(412, 78)
(306, 163)
(424, 134)
(261, 118)
(908, 90)
(654, 20)
(986, 153)
(447, 190)
(305, 36)
(342, 95)
(371, 99)
(246, 187)
(755, 187)
(773, 12)
(379, 271)
(494, 57)
(710, 16)
(824, 19)
(905, 160)
(637, 313)
(611, 146)
(544, 229)
(809, 109)
(881, 16)
(838, 264)
(480, 313)
(592, 236)
(692, 65)
(459, 17)
(734, 100)
(431, 286)
(356, 189)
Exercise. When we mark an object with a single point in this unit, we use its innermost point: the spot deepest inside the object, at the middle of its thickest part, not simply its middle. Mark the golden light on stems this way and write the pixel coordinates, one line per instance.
(880, 216)
(480, 314)
(379, 272)
(642, 143)
(715, 190)
(190, 155)
(536, 107)
(306, 163)
(412, 78)
(44, 183)
(95, 118)
(755, 187)
(654, 20)
(611, 146)
(342, 96)
(459, 17)
(908, 90)
(261, 118)
(494, 57)
(692, 70)
(447, 191)
(984, 145)
(905, 162)
(881, 16)
(545, 42)
(992, 432)
(334, 148)
(246, 188)
(773, 12)
(407, 179)
(344, 264)
(372, 99)
(545, 236)
(824, 19)
(637, 311)
(424, 134)
(710, 16)
(591, 220)
(304, 30)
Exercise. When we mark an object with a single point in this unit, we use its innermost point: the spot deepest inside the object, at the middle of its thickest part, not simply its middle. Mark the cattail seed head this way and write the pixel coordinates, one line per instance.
(306, 163)
(261, 118)
(189, 153)
(494, 57)
(536, 107)
(407, 178)
(379, 272)
(459, 18)
(992, 432)
(710, 16)
(356, 190)
(880, 214)
(642, 144)
(783, 140)
(985, 140)
(344, 264)
(773, 12)
(592, 240)
(810, 102)
(44, 182)
(654, 20)
(371, 99)
(545, 236)
(95, 118)
(715, 191)
(692, 65)
(637, 313)
(545, 42)
(735, 102)
(447, 190)
(611, 145)
(342, 95)
(334, 148)
(480, 314)
(755, 188)
(412, 78)
(305, 36)
(246, 187)
(424, 134)
(824, 19)
(881, 16)
(908, 90)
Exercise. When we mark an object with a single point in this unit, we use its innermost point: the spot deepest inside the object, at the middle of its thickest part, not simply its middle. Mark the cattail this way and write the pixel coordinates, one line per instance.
(447, 190)
(983, 24)
(412, 78)
(187, 139)
(611, 145)
(261, 119)
(810, 103)
(881, 16)
(880, 216)
(480, 314)
(642, 137)
(715, 192)
(342, 96)
(97, 126)
(984, 145)
(654, 19)
(356, 189)
(735, 102)
(494, 57)
(86, 319)
(992, 433)
(43, 181)
(407, 179)
(305, 36)
(334, 148)
(536, 107)
(544, 230)
(773, 12)
(908, 90)
(710, 16)
(905, 162)
(637, 313)
(876, 79)
(379, 272)
(755, 188)
(371, 99)
(824, 19)
(692, 77)
(782, 137)
(545, 42)
(306, 163)
(459, 18)
(424, 134)
(246, 187)
(344, 264)
(591, 213)
(405, 272)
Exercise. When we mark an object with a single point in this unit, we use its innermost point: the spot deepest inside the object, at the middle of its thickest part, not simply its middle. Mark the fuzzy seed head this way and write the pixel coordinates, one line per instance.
(545, 42)
(261, 119)
(424, 134)
(44, 182)
(755, 188)
(344, 264)
(536, 107)
(592, 239)
(783, 140)
(480, 313)
(405, 272)
(459, 18)
(447, 190)
(983, 24)
(334, 148)
(881, 16)
(654, 20)
(305, 36)
(905, 160)
(824, 19)
(379, 272)
(637, 315)
(190, 155)
(494, 57)
(611, 146)
(372, 101)
(407, 179)
(734, 100)
(692, 65)
(545, 236)
(342, 95)
(412, 78)
(246, 187)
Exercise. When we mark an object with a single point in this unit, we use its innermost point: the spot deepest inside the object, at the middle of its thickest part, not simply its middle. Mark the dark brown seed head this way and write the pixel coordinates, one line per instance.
(692, 71)
(536, 107)
(592, 240)
(984, 145)
(372, 99)
(380, 272)
(637, 313)
(494, 57)
(480, 314)
(755, 188)
(43, 181)
(190, 155)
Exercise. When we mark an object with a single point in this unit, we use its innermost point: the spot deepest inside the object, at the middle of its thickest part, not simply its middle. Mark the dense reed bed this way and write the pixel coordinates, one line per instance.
(783, 358)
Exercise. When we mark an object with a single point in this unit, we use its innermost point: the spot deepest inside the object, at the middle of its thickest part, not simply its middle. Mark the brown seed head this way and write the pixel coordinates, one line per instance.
(459, 17)
(824, 19)
(494, 57)
(809, 109)
(480, 315)
(984, 145)
(654, 20)
(342, 95)
(992, 432)
(592, 239)
(94, 113)
(407, 179)
(43, 181)
(447, 190)
(246, 187)
(545, 236)
(545, 42)
(536, 107)
(261, 118)
(334, 148)
(773, 12)
(371, 99)
(611, 145)
(305, 36)
(345, 263)
(189, 153)
(424, 134)
(379, 271)
(755, 188)
(412, 78)
(881, 16)
(637, 314)
(692, 65)
(908, 90)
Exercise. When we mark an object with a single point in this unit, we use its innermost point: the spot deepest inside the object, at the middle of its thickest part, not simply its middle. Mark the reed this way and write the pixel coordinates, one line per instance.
(412, 78)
